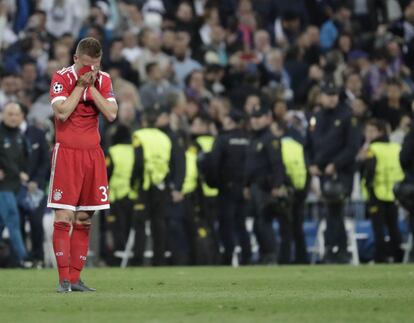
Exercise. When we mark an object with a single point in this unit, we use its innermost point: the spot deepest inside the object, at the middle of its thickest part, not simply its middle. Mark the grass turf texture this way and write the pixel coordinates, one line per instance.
(206, 294)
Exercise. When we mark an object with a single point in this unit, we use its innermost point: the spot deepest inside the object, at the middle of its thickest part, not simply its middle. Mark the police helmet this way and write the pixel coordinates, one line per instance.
(404, 193)
(333, 191)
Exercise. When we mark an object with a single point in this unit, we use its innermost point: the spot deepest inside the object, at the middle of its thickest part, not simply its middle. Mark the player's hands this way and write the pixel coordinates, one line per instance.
(177, 196)
(94, 77)
(2, 175)
(24, 178)
(85, 80)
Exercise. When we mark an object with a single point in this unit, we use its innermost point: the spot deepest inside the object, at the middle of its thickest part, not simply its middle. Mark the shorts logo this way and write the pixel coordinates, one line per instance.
(57, 87)
(57, 195)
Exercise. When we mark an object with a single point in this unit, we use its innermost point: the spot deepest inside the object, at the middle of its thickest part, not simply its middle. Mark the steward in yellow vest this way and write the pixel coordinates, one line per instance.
(382, 171)
(152, 149)
(205, 222)
(120, 160)
(294, 160)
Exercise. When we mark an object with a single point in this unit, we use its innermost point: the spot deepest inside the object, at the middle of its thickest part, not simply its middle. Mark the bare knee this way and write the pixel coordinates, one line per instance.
(84, 218)
(64, 216)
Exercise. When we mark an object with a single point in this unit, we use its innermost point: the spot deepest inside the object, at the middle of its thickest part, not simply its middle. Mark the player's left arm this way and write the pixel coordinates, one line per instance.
(104, 99)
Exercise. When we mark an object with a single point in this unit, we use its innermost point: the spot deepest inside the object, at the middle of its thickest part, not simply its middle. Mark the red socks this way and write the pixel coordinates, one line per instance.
(79, 245)
(61, 246)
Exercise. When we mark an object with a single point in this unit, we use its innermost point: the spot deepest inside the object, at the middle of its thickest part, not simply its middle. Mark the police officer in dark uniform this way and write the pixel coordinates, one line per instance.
(331, 146)
(229, 152)
(264, 180)
(407, 164)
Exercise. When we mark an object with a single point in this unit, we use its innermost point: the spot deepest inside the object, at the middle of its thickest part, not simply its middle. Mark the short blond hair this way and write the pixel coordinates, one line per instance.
(89, 46)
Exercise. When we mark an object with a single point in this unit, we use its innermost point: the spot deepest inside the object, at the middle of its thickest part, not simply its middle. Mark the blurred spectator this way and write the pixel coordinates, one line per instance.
(130, 49)
(332, 28)
(116, 59)
(287, 28)
(9, 89)
(38, 172)
(151, 53)
(195, 88)
(13, 172)
(393, 105)
(64, 16)
(397, 136)
(182, 63)
(156, 89)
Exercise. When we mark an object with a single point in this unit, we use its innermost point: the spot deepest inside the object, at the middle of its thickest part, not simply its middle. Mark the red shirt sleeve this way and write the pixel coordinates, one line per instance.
(106, 89)
(58, 88)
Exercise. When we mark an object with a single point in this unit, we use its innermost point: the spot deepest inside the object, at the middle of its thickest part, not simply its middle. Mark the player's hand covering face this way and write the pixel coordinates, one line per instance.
(86, 60)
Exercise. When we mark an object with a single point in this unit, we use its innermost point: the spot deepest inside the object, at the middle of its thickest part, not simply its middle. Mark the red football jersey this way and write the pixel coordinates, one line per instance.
(80, 130)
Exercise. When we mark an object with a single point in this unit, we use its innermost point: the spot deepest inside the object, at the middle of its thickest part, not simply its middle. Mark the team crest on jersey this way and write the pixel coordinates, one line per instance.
(57, 87)
(57, 195)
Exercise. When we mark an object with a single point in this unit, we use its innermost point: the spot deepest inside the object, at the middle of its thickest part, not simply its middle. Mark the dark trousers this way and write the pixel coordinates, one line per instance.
(35, 218)
(120, 221)
(384, 215)
(335, 234)
(298, 214)
(209, 213)
(177, 241)
(201, 236)
(151, 204)
(263, 228)
(232, 224)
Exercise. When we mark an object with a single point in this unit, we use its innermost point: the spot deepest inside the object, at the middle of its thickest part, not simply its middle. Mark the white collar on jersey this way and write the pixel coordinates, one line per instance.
(74, 72)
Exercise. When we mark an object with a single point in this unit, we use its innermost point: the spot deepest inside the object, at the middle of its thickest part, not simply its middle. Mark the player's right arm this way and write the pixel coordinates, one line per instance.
(63, 103)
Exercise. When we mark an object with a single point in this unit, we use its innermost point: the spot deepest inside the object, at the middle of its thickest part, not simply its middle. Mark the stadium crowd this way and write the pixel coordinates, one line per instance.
(247, 108)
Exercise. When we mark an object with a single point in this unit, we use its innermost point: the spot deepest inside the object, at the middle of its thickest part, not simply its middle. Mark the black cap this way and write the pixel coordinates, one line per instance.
(259, 111)
(329, 88)
(236, 115)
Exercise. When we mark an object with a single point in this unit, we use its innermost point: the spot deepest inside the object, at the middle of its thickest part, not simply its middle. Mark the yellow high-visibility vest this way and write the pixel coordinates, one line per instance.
(388, 170)
(191, 171)
(156, 146)
(122, 156)
(293, 158)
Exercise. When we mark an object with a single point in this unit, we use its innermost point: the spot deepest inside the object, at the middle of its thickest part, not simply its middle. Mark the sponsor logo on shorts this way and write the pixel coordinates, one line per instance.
(59, 254)
(57, 195)
(82, 258)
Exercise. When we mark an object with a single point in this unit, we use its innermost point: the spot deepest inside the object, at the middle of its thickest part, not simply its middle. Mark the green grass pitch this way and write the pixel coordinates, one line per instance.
(220, 294)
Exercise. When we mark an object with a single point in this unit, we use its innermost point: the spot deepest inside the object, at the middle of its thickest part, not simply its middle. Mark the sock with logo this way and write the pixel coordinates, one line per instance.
(79, 245)
(61, 247)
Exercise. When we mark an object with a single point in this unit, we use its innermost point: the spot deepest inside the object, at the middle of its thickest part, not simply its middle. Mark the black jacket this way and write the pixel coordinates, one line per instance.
(264, 165)
(14, 157)
(407, 155)
(333, 137)
(228, 157)
(177, 164)
(39, 156)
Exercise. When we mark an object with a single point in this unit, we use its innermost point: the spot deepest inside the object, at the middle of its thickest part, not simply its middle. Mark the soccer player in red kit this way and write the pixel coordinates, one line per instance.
(78, 181)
